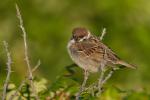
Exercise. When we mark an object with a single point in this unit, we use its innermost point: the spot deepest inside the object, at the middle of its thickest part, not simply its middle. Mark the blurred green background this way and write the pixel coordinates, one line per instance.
(49, 24)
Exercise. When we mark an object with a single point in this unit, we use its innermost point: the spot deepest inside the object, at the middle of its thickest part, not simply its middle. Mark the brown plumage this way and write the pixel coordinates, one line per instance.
(90, 53)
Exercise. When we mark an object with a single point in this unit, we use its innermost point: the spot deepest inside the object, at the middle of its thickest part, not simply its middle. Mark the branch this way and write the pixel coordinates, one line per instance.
(100, 85)
(86, 74)
(30, 76)
(36, 67)
(109, 75)
(9, 62)
(103, 34)
(23, 82)
(104, 79)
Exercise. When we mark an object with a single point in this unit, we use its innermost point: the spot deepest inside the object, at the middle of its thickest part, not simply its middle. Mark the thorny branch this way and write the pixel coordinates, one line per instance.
(30, 76)
(9, 61)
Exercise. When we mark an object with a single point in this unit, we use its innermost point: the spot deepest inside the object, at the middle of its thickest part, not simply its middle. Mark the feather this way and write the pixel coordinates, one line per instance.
(121, 62)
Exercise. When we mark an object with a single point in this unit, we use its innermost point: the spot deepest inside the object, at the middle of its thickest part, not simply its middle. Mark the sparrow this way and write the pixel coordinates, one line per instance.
(91, 54)
(88, 51)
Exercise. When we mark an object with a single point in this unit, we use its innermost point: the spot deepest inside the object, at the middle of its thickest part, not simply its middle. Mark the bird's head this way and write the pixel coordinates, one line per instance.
(79, 34)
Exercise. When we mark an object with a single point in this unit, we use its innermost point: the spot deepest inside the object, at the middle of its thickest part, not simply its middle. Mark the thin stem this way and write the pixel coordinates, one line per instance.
(103, 79)
(25, 80)
(9, 61)
(103, 34)
(86, 74)
(107, 77)
(91, 89)
(30, 76)
(100, 85)
(36, 67)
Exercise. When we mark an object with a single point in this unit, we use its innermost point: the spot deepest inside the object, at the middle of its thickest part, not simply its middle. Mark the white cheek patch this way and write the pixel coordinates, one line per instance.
(86, 37)
(82, 39)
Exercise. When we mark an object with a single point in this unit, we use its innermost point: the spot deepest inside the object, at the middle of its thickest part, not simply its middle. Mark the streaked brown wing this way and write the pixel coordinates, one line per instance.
(110, 55)
(92, 50)
(97, 51)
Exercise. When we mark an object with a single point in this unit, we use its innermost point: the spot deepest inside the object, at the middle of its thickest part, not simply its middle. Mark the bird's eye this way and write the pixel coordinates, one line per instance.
(74, 37)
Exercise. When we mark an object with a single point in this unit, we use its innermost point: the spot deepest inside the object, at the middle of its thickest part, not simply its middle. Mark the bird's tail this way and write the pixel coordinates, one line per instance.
(126, 64)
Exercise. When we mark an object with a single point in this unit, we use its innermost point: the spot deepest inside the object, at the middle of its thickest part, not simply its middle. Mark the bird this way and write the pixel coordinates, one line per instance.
(91, 54)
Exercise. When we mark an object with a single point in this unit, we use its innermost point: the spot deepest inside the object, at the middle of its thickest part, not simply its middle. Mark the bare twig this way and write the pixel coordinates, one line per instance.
(36, 67)
(103, 34)
(86, 74)
(30, 76)
(9, 61)
(107, 77)
(104, 79)
(100, 85)
(25, 80)
(91, 89)
(102, 76)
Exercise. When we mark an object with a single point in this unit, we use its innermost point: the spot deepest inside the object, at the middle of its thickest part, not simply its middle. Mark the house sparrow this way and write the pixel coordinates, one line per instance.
(89, 53)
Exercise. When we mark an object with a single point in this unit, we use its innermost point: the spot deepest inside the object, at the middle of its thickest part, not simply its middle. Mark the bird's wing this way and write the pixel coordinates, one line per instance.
(92, 50)
(97, 51)
(110, 55)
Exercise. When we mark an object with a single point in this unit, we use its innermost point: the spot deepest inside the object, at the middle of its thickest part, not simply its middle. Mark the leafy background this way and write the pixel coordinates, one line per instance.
(49, 24)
